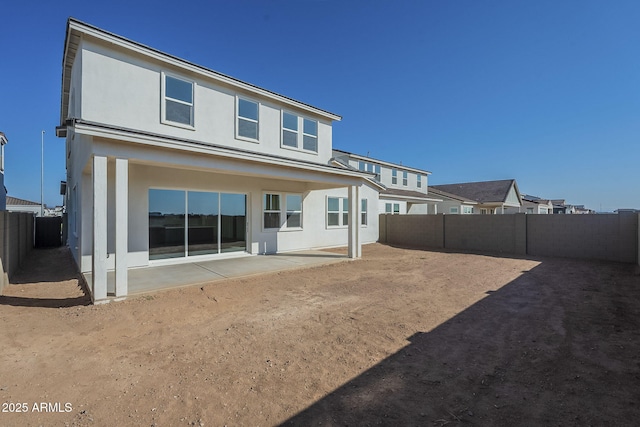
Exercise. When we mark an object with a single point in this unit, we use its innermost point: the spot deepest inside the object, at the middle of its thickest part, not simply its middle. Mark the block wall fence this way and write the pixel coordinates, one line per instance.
(608, 237)
(16, 242)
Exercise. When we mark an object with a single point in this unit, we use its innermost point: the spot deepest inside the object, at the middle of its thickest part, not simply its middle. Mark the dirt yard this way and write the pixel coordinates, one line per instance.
(401, 337)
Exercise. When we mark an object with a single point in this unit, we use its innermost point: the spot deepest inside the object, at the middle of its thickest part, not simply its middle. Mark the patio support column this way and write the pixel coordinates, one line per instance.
(355, 246)
(122, 225)
(99, 258)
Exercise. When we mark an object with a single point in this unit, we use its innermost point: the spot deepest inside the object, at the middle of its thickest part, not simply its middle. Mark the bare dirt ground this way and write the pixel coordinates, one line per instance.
(401, 337)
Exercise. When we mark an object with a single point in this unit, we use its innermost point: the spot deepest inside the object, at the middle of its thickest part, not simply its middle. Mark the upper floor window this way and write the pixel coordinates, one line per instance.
(291, 136)
(178, 101)
(419, 182)
(247, 119)
(394, 176)
(370, 167)
(405, 178)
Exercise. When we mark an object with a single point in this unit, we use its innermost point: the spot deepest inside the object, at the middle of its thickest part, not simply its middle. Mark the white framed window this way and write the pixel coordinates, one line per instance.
(405, 178)
(363, 212)
(392, 208)
(293, 205)
(177, 101)
(289, 130)
(453, 210)
(247, 119)
(307, 140)
(370, 167)
(419, 180)
(394, 176)
(282, 211)
(483, 211)
(467, 209)
(271, 211)
(337, 211)
(529, 210)
(310, 135)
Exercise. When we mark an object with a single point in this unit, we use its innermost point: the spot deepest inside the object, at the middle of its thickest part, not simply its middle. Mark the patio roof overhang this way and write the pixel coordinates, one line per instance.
(146, 148)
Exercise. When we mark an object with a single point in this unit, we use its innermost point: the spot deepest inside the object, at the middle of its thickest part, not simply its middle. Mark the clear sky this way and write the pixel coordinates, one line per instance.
(546, 92)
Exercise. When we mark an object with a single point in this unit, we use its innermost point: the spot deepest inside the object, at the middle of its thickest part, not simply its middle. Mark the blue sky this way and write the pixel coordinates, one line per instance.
(546, 92)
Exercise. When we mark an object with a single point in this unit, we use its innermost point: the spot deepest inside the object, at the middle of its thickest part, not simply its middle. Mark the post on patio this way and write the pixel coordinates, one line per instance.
(122, 225)
(355, 246)
(99, 258)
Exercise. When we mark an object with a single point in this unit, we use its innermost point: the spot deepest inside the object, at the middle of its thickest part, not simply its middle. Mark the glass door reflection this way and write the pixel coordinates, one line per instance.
(203, 223)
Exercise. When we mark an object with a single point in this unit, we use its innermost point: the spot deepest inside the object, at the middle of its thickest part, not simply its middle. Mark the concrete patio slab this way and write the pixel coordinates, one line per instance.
(158, 277)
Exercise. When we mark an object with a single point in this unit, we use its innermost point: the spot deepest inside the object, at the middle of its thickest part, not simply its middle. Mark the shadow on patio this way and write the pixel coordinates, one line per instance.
(557, 346)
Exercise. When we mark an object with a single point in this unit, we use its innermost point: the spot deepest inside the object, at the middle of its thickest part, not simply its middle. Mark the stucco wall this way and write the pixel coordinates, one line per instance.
(124, 90)
(611, 237)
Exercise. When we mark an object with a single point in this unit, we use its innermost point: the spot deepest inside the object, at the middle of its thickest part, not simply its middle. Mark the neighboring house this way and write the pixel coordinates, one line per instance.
(535, 205)
(3, 189)
(492, 197)
(168, 161)
(559, 206)
(403, 190)
(452, 204)
(20, 205)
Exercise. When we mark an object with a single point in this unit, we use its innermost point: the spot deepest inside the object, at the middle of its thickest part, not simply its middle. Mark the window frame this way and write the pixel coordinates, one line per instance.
(396, 211)
(164, 98)
(300, 133)
(405, 178)
(419, 181)
(364, 212)
(454, 210)
(283, 211)
(239, 117)
(394, 176)
(467, 210)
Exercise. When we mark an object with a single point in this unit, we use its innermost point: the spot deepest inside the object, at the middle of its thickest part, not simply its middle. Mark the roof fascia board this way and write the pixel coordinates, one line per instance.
(125, 43)
(382, 162)
(123, 135)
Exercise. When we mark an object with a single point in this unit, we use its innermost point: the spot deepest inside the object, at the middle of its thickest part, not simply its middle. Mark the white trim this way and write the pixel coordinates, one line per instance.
(237, 119)
(164, 98)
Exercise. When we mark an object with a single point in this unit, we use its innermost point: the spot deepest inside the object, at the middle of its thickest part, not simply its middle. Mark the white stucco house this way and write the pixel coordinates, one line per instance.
(171, 162)
(403, 189)
(490, 197)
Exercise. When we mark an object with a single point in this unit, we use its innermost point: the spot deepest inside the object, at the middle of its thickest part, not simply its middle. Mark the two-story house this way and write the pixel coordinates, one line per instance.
(170, 162)
(402, 189)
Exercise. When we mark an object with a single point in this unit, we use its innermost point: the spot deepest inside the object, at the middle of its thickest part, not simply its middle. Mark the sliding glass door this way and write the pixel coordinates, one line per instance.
(189, 223)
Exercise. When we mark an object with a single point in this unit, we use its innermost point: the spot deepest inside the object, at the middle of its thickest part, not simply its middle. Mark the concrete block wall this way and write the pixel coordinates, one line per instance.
(16, 242)
(422, 231)
(609, 237)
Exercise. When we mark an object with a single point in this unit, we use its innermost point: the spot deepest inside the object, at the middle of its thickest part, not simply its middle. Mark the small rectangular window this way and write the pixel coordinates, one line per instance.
(377, 172)
(396, 208)
(453, 210)
(467, 209)
(294, 211)
(387, 208)
(362, 166)
(178, 100)
(289, 130)
(419, 182)
(247, 114)
(345, 211)
(405, 178)
(271, 209)
(363, 212)
(333, 211)
(394, 176)
(310, 135)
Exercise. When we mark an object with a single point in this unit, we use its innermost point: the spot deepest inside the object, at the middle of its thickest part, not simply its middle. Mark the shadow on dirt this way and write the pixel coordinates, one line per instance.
(557, 346)
(47, 278)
